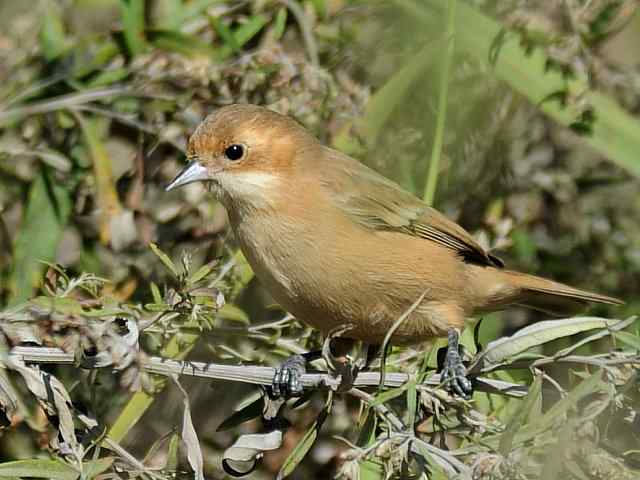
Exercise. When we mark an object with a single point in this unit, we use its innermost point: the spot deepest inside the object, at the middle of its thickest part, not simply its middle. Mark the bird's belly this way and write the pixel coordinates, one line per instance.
(327, 285)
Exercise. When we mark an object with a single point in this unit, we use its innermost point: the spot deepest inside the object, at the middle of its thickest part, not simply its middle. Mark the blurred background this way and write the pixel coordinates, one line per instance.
(540, 160)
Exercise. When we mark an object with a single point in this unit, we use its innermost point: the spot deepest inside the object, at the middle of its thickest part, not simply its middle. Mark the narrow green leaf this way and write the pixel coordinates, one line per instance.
(520, 416)
(188, 45)
(628, 339)
(94, 468)
(611, 130)
(172, 453)
(245, 414)
(201, 273)
(243, 34)
(164, 258)
(280, 23)
(395, 90)
(303, 447)
(370, 470)
(133, 25)
(537, 334)
(233, 313)
(47, 213)
(51, 469)
(225, 34)
(155, 293)
(53, 40)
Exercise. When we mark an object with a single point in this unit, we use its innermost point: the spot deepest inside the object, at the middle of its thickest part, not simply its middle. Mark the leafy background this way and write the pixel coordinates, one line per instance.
(539, 160)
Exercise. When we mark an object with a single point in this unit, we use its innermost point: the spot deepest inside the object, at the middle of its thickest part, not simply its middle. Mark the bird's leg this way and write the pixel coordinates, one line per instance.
(286, 380)
(344, 359)
(453, 374)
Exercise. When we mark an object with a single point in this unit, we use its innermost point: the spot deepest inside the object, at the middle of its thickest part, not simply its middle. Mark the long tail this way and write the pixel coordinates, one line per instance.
(546, 295)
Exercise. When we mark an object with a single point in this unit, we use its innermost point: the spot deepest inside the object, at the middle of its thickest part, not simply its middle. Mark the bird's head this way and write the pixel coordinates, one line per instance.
(244, 153)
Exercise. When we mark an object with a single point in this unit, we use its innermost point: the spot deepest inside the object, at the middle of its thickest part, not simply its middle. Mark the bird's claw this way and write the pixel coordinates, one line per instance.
(453, 375)
(286, 380)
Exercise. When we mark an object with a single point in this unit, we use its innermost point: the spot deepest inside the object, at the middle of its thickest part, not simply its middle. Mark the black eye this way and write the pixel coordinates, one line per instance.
(234, 152)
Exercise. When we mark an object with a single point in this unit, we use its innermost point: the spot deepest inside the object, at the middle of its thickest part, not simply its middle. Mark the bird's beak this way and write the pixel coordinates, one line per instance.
(193, 172)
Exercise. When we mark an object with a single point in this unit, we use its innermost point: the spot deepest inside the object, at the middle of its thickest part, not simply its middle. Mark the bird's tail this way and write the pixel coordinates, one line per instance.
(546, 295)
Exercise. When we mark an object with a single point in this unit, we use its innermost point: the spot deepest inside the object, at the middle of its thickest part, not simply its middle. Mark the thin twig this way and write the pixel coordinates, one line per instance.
(65, 101)
(257, 374)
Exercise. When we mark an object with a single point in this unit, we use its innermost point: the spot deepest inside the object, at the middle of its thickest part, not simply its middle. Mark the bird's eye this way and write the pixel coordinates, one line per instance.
(234, 152)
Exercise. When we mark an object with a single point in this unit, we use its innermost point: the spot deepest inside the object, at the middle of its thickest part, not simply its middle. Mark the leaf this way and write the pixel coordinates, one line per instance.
(243, 34)
(241, 457)
(520, 417)
(395, 90)
(613, 131)
(233, 313)
(51, 157)
(628, 339)
(53, 40)
(225, 33)
(47, 213)
(67, 305)
(155, 293)
(244, 414)
(534, 335)
(202, 272)
(94, 468)
(280, 23)
(133, 22)
(164, 258)
(305, 444)
(189, 436)
(188, 45)
(107, 196)
(51, 469)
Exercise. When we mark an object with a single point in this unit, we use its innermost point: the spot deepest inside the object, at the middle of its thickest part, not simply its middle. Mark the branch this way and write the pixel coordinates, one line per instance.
(260, 375)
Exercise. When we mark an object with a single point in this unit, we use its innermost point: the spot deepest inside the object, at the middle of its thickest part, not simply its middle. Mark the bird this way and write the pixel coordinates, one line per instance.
(336, 243)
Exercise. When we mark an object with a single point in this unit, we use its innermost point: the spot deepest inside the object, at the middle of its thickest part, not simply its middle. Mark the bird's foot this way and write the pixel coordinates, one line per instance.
(453, 375)
(286, 380)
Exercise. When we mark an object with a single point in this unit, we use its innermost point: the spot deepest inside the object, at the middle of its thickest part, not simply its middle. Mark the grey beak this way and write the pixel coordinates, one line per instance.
(193, 172)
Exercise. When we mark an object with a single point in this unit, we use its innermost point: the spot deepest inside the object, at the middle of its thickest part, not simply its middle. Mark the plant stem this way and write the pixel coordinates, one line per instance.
(436, 152)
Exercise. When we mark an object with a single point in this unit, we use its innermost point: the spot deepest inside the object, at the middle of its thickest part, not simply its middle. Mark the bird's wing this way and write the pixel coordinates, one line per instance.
(378, 203)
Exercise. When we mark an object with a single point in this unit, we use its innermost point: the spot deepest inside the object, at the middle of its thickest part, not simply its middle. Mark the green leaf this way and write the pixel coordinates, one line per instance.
(611, 130)
(534, 335)
(396, 90)
(155, 293)
(53, 40)
(233, 313)
(94, 468)
(628, 339)
(66, 305)
(172, 453)
(244, 414)
(370, 470)
(164, 258)
(225, 34)
(303, 447)
(47, 213)
(280, 23)
(36, 468)
(243, 34)
(188, 45)
(201, 273)
(133, 22)
(520, 417)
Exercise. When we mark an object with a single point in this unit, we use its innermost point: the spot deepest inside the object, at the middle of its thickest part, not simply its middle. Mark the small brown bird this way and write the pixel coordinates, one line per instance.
(336, 243)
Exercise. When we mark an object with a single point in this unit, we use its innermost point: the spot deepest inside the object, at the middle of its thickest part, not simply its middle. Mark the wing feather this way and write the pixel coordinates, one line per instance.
(377, 203)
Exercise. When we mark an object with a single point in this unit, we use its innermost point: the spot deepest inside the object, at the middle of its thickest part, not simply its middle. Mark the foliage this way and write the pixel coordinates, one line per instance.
(539, 159)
